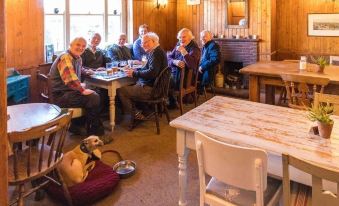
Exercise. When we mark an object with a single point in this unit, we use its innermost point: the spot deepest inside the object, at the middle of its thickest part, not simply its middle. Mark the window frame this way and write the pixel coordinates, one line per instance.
(67, 20)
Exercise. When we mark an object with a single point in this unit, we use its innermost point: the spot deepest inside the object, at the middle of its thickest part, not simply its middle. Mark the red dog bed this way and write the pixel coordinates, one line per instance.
(99, 183)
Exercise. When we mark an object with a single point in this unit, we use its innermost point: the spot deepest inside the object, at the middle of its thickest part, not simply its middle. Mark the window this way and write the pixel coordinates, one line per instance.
(67, 19)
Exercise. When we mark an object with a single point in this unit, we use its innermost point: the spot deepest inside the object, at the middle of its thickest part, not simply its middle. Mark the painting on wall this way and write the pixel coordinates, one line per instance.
(193, 2)
(323, 24)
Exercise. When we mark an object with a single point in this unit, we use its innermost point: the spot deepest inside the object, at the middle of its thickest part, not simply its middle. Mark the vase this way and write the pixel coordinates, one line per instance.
(325, 129)
(320, 69)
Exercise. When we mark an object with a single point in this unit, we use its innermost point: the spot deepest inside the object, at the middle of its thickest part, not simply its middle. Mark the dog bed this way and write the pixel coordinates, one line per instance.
(99, 183)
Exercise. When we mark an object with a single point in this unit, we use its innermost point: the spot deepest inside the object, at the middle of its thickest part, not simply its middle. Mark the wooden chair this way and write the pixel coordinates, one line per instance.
(300, 89)
(158, 98)
(319, 196)
(330, 98)
(188, 85)
(45, 91)
(239, 174)
(37, 161)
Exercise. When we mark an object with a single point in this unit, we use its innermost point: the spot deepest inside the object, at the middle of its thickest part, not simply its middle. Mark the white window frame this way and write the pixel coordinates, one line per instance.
(67, 17)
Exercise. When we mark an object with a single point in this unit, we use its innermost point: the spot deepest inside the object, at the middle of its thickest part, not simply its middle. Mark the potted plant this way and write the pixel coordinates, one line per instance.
(322, 115)
(321, 62)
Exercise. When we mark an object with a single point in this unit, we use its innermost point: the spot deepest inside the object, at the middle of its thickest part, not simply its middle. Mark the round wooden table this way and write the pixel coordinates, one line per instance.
(24, 116)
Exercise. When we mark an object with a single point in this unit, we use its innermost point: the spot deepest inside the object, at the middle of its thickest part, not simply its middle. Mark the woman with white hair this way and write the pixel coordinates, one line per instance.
(185, 55)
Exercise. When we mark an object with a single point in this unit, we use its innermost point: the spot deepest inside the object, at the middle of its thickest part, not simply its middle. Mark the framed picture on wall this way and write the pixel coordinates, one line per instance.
(323, 24)
(193, 2)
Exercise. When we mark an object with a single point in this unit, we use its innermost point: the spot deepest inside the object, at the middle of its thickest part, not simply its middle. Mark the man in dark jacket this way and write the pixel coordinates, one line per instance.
(93, 57)
(156, 61)
(119, 53)
(185, 55)
(210, 58)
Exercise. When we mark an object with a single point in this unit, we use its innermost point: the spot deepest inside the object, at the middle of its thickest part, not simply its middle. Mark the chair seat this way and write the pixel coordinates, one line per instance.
(239, 196)
(77, 112)
(22, 165)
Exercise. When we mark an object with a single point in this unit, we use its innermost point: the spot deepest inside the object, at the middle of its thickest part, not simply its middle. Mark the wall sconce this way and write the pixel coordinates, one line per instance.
(161, 3)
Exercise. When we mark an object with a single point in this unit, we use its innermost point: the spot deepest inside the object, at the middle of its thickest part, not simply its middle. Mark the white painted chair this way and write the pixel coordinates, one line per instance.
(334, 60)
(319, 195)
(239, 174)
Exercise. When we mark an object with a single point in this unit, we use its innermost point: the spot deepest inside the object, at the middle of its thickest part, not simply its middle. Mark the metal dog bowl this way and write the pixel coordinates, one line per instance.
(125, 168)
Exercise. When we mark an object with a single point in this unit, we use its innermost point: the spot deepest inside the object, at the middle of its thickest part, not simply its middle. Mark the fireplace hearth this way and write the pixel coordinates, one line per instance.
(236, 54)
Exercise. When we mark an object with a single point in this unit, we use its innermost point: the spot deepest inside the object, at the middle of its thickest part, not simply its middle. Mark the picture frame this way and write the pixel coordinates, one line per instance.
(193, 2)
(324, 24)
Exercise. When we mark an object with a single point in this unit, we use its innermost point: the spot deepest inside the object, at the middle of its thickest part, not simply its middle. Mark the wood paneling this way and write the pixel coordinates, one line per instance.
(161, 21)
(25, 33)
(211, 14)
(3, 109)
(292, 38)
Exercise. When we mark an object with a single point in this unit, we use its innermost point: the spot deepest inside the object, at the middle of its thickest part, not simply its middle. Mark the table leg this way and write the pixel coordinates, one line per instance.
(183, 152)
(112, 93)
(269, 94)
(254, 88)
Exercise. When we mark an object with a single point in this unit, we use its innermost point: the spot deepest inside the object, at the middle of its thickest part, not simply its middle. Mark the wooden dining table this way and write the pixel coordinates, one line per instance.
(24, 116)
(111, 83)
(267, 74)
(275, 129)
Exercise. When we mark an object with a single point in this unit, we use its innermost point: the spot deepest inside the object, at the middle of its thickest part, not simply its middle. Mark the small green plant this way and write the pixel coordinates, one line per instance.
(321, 61)
(321, 113)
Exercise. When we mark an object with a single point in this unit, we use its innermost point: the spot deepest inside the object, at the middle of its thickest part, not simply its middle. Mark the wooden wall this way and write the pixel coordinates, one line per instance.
(25, 33)
(210, 15)
(161, 21)
(292, 38)
(3, 109)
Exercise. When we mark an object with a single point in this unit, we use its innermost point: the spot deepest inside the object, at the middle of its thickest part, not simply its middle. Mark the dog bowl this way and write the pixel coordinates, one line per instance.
(125, 168)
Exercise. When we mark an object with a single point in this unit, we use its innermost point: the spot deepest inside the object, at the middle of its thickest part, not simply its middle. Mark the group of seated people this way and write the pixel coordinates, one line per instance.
(82, 59)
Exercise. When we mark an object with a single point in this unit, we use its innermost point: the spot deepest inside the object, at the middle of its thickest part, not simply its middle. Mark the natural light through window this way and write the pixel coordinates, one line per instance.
(67, 19)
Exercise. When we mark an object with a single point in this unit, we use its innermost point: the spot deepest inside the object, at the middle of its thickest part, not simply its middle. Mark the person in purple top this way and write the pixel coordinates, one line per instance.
(185, 55)
(138, 51)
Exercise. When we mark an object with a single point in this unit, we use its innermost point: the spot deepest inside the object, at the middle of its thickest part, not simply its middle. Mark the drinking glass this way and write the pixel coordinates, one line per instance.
(109, 69)
(144, 60)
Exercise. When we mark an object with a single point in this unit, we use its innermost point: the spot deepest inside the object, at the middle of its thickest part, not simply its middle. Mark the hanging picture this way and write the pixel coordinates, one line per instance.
(323, 24)
(193, 2)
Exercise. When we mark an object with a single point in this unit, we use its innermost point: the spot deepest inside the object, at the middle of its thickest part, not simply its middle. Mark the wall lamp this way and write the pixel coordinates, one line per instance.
(161, 3)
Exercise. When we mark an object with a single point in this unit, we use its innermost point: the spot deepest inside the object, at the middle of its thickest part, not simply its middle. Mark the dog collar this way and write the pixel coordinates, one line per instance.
(84, 149)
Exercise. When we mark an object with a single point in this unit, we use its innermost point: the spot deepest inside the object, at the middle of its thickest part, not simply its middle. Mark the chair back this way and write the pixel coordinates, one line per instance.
(38, 158)
(300, 89)
(161, 84)
(330, 98)
(43, 87)
(319, 195)
(188, 78)
(242, 167)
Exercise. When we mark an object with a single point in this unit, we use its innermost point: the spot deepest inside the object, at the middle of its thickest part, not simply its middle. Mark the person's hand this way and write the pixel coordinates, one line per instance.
(87, 92)
(83, 85)
(129, 72)
(200, 70)
(179, 64)
(89, 72)
(182, 50)
(101, 69)
(137, 62)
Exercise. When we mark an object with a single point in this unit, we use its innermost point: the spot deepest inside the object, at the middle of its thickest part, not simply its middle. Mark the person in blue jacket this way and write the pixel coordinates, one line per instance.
(210, 58)
(138, 51)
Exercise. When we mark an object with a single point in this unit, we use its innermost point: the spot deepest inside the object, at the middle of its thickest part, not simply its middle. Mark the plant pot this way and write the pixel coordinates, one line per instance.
(320, 69)
(325, 130)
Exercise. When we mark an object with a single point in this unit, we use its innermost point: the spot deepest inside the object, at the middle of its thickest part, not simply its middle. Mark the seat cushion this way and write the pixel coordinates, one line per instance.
(240, 196)
(99, 183)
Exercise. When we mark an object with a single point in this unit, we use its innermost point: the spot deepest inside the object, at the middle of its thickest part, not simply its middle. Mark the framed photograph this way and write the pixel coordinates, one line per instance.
(323, 24)
(193, 2)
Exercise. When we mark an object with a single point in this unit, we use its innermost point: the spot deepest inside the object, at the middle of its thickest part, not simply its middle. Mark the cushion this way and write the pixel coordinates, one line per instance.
(99, 183)
(239, 196)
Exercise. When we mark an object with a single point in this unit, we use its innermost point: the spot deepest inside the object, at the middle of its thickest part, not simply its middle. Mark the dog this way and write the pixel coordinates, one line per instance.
(76, 163)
